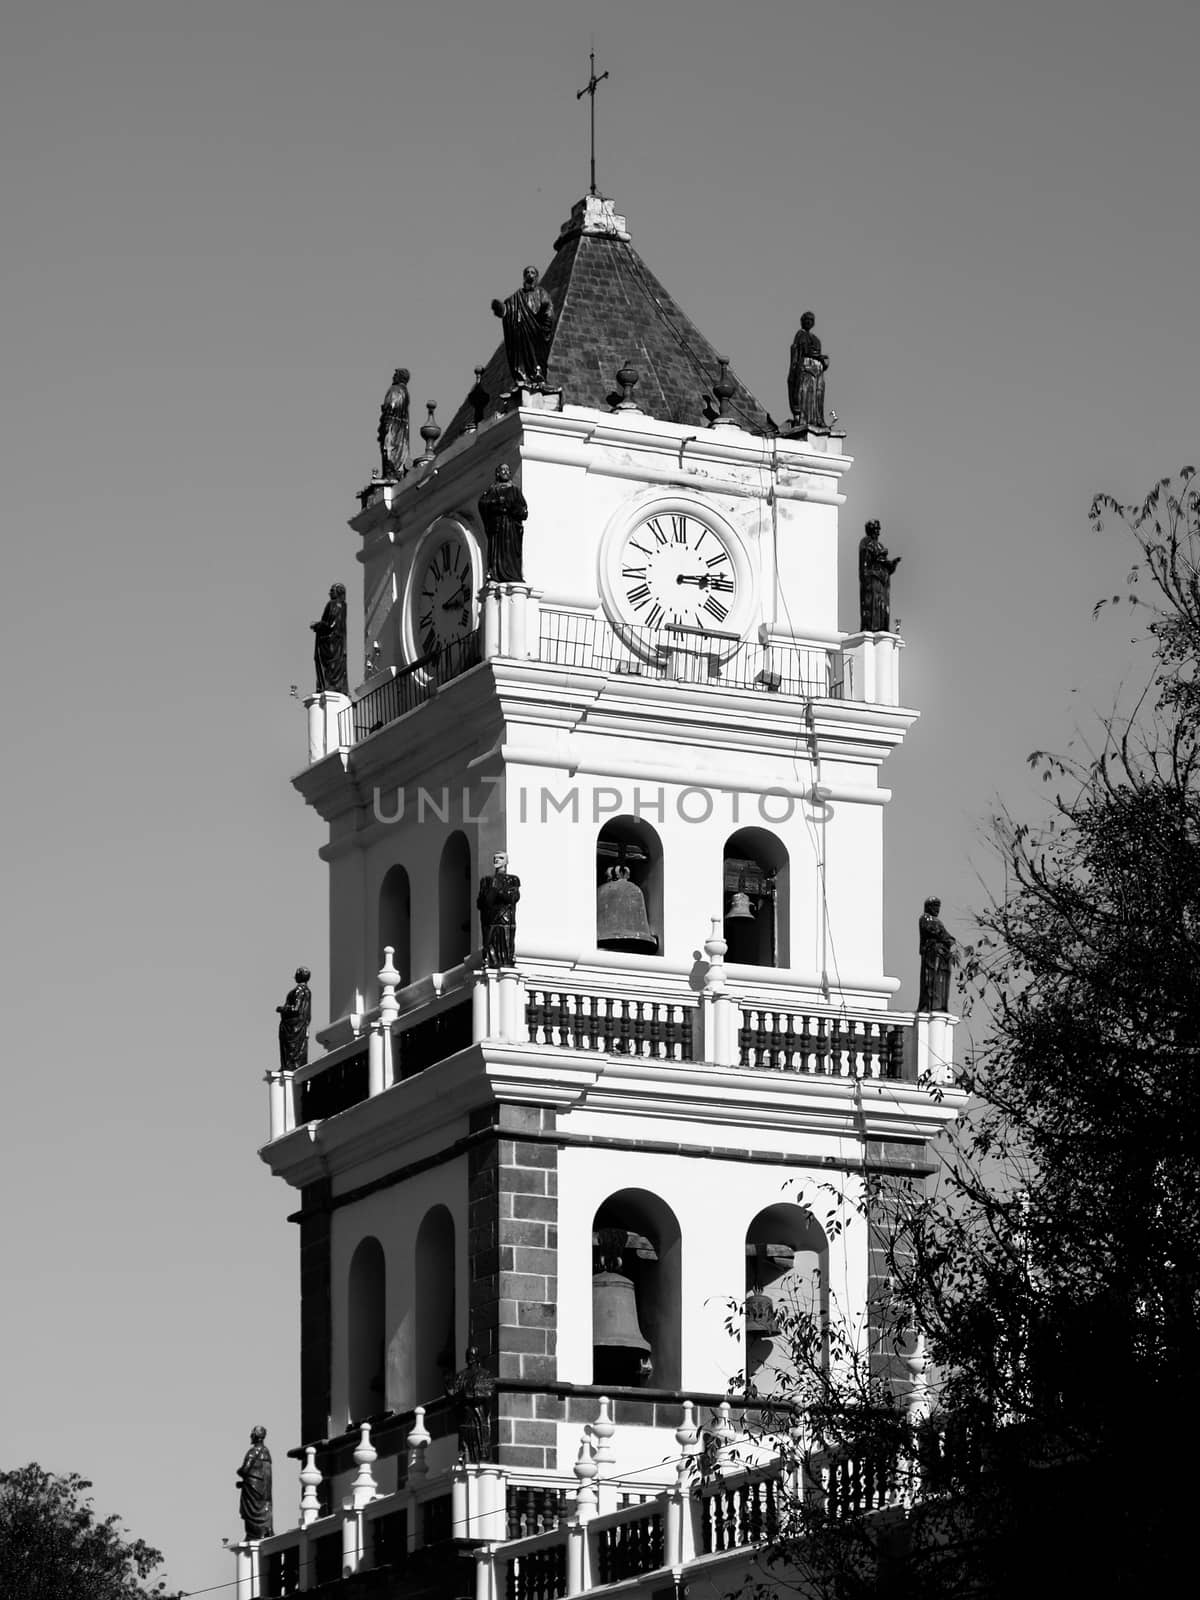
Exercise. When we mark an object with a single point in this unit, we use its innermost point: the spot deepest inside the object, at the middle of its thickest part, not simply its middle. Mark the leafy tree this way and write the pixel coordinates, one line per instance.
(1053, 1274)
(53, 1547)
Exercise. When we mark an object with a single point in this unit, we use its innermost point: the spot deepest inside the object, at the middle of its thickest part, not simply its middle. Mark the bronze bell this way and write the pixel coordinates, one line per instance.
(621, 921)
(740, 909)
(614, 1314)
(760, 1316)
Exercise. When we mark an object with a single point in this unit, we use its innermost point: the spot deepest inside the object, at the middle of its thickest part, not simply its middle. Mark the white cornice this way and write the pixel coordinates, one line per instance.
(747, 1105)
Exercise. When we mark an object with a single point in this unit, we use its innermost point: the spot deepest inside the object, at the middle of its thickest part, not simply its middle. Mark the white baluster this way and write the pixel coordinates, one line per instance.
(364, 1489)
(418, 1442)
(310, 1481)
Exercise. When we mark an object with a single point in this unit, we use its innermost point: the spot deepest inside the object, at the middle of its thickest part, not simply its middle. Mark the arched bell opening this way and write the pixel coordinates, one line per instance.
(629, 887)
(636, 1303)
(455, 902)
(366, 1331)
(755, 897)
(433, 1275)
(395, 921)
(787, 1297)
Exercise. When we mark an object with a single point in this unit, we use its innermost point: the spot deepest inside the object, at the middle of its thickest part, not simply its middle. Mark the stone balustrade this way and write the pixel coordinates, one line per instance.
(416, 1027)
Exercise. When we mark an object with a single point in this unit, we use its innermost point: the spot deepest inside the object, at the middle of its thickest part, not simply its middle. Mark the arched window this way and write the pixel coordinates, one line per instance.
(366, 1332)
(787, 1295)
(395, 921)
(455, 902)
(755, 888)
(629, 887)
(636, 1302)
(435, 1353)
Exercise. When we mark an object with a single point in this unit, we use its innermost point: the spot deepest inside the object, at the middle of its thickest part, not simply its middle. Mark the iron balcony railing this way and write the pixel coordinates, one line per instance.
(408, 689)
(690, 655)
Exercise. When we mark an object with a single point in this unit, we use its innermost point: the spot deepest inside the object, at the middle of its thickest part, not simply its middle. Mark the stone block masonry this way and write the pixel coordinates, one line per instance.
(513, 1269)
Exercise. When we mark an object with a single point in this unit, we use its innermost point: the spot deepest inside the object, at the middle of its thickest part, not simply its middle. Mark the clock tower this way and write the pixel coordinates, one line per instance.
(591, 1151)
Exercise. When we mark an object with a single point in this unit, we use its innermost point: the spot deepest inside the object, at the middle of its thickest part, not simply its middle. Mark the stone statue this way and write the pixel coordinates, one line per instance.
(875, 582)
(254, 1480)
(295, 1014)
(329, 652)
(503, 511)
(528, 318)
(394, 460)
(497, 906)
(806, 378)
(937, 957)
(472, 1390)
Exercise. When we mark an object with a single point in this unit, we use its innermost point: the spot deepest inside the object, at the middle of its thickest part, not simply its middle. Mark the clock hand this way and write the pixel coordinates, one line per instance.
(455, 599)
(702, 580)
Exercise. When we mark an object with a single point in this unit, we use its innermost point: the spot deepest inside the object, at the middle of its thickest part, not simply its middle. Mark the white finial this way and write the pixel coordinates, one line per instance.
(585, 1471)
(602, 1431)
(310, 1480)
(418, 1442)
(389, 1008)
(364, 1489)
(723, 1432)
(916, 1402)
(685, 1434)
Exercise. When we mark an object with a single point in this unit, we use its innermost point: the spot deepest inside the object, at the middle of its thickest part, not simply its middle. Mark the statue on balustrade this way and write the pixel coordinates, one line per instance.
(875, 582)
(394, 458)
(497, 907)
(806, 379)
(472, 1390)
(329, 652)
(254, 1481)
(528, 319)
(295, 1014)
(937, 957)
(503, 511)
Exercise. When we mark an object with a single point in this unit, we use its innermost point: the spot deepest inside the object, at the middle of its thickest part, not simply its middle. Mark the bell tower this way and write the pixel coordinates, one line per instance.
(609, 1016)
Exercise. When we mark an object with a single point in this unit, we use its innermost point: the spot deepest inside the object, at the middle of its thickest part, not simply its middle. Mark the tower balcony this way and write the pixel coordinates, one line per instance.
(517, 627)
(607, 1016)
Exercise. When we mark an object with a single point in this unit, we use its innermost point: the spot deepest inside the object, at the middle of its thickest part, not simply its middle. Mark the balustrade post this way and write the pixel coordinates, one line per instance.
(930, 1043)
(379, 1053)
(324, 712)
(512, 1024)
(351, 1538)
(485, 1573)
(606, 1460)
(490, 603)
(719, 1014)
(245, 1556)
(278, 1103)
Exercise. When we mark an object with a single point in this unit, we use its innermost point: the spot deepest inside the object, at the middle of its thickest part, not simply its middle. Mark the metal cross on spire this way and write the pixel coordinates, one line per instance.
(590, 89)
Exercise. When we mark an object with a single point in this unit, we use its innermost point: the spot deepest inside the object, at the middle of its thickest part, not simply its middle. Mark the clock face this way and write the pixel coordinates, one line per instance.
(442, 590)
(677, 570)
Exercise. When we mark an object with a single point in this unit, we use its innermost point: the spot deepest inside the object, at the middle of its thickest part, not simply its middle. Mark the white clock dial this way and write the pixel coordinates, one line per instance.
(442, 603)
(675, 570)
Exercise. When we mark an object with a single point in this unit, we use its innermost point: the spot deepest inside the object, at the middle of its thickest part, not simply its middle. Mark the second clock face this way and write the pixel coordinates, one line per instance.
(443, 599)
(677, 570)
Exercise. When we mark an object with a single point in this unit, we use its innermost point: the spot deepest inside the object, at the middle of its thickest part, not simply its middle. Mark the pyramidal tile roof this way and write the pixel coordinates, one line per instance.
(609, 308)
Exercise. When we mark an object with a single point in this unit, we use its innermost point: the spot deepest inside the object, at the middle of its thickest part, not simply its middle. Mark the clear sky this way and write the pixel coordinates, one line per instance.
(223, 225)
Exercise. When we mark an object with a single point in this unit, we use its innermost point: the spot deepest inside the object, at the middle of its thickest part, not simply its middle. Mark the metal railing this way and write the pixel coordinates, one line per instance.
(690, 655)
(408, 689)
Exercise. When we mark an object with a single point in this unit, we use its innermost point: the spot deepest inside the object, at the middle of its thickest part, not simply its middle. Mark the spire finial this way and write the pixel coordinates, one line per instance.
(590, 89)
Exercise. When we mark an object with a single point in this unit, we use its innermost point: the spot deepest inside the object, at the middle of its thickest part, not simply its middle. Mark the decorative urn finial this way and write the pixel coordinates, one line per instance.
(627, 377)
(430, 431)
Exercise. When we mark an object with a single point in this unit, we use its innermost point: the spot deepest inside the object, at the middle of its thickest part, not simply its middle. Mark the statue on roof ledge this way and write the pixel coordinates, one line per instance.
(502, 510)
(528, 319)
(806, 379)
(394, 458)
(875, 568)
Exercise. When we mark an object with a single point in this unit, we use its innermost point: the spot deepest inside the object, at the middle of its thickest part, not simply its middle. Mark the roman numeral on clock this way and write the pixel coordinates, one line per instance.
(716, 608)
(639, 595)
